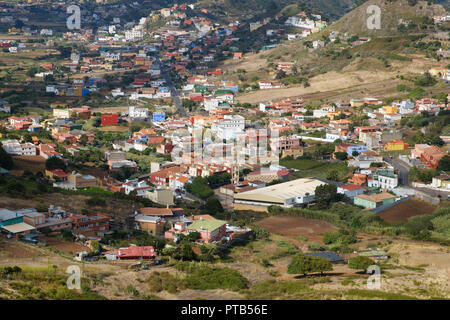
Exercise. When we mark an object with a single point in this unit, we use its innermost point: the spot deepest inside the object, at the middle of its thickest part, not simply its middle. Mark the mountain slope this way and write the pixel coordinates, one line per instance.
(392, 13)
(250, 9)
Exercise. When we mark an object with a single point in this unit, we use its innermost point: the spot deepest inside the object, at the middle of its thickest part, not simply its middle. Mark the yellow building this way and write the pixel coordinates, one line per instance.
(356, 103)
(395, 145)
(332, 115)
(14, 30)
(390, 109)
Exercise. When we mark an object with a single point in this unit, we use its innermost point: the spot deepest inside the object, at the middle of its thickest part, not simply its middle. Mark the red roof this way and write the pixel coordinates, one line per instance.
(351, 187)
(134, 252)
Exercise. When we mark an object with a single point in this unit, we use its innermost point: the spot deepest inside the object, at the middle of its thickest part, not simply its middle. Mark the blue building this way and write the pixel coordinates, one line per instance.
(8, 217)
(159, 116)
(358, 148)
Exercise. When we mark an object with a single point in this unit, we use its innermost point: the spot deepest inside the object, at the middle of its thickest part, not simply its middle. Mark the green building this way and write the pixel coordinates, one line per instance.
(374, 200)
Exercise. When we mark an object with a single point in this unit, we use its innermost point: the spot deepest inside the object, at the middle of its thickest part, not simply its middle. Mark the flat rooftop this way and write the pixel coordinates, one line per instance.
(281, 191)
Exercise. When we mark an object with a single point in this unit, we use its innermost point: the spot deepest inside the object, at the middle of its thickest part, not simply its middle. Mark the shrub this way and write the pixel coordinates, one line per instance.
(204, 277)
(303, 264)
(360, 263)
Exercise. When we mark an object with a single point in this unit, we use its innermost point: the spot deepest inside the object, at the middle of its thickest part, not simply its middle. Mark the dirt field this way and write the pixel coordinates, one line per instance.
(403, 211)
(112, 109)
(65, 246)
(30, 163)
(113, 128)
(331, 85)
(296, 226)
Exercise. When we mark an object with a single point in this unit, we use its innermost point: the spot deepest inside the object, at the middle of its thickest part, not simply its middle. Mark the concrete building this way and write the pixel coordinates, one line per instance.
(287, 194)
(14, 147)
(82, 181)
(374, 200)
(383, 179)
(152, 224)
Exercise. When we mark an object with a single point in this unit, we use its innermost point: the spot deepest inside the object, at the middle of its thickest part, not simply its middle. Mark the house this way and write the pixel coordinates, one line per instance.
(82, 181)
(333, 257)
(162, 212)
(384, 179)
(396, 145)
(431, 156)
(131, 253)
(151, 224)
(374, 200)
(267, 175)
(41, 221)
(14, 147)
(89, 224)
(210, 230)
(56, 174)
(442, 181)
(159, 116)
(263, 85)
(109, 119)
(160, 196)
(294, 152)
(350, 190)
(358, 179)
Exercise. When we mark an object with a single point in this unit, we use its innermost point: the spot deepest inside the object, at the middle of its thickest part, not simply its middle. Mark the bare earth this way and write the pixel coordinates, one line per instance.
(296, 226)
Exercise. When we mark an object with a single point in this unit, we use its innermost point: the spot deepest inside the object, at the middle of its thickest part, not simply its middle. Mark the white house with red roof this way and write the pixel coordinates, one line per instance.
(350, 190)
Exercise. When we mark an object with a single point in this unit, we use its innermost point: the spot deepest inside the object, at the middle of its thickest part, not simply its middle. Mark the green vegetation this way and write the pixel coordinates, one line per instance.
(200, 187)
(42, 284)
(200, 276)
(303, 264)
(360, 263)
(311, 168)
(6, 161)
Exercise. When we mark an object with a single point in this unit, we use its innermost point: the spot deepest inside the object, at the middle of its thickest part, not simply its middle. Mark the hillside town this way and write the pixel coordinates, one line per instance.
(134, 140)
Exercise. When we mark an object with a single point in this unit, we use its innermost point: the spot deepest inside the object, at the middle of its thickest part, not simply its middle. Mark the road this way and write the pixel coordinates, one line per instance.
(174, 93)
(402, 167)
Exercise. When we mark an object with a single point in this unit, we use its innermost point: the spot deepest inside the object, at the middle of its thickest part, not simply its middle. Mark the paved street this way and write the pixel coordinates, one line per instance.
(402, 167)
(175, 95)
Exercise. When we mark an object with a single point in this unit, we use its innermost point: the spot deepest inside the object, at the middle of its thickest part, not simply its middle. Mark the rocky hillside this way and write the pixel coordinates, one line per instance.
(393, 14)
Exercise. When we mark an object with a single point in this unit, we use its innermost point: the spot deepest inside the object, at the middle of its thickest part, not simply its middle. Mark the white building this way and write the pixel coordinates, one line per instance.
(323, 112)
(287, 194)
(384, 179)
(14, 147)
(134, 112)
(228, 126)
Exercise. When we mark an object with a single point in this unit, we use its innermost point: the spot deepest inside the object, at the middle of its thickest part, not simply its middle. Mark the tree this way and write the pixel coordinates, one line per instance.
(326, 194)
(360, 263)
(55, 163)
(6, 161)
(341, 155)
(187, 253)
(200, 187)
(419, 226)
(27, 137)
(444, 163)
(303, 264)
(213, 206)
(333, 175)
(355, 153)
(83, 140)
